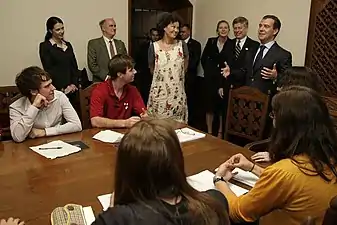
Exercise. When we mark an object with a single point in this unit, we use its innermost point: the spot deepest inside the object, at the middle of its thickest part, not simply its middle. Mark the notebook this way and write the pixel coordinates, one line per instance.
(245, 177)
(108, 136)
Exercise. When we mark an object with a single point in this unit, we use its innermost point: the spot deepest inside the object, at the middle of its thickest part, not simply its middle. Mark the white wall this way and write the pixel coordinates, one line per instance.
(294, 16)
(22, 25)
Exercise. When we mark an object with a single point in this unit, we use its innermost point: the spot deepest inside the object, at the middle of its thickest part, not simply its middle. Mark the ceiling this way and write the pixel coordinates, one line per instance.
(165, 5)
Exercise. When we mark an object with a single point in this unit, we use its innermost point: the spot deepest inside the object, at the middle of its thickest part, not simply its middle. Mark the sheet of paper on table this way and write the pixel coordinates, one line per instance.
(187, 134)
(108, 136)
(55, 149)
(245, 177)
(88, 215)
(202, 181)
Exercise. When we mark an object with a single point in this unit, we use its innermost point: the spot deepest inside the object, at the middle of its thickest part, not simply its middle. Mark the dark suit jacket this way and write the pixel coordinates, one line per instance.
(98, 57)
(194, 50)
(276, 54)
(239, 66)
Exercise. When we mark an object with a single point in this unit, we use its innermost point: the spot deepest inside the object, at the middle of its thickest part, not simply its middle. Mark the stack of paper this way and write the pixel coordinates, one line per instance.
(109, 136)
(187, 134)
(245, 177)
(202, 181)
(55, 149)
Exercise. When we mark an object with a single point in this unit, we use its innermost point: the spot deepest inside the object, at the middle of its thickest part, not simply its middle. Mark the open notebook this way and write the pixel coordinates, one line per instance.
(202, 181)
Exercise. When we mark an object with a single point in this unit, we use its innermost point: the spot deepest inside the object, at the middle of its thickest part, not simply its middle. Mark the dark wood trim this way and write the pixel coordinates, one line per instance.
(129, 25)
(316, 7)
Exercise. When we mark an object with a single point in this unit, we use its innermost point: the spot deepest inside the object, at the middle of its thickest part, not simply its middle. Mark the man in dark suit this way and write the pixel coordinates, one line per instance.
(143, 80)
(101, 50)
(243, 47)
(192, 86)
(264, 67)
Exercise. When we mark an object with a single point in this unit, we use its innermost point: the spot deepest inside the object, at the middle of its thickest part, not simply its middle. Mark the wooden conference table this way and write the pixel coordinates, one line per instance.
(31, 186)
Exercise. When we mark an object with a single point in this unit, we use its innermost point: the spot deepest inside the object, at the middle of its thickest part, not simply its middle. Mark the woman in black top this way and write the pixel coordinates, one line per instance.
(58, 58)
(218, 50)
(151, 186)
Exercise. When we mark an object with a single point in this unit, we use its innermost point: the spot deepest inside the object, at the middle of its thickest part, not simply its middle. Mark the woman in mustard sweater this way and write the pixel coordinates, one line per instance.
(302, 179)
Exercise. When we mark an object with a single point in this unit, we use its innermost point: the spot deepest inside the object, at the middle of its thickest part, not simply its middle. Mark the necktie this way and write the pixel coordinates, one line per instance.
(112, 51)
(237, 49)
(259, 56)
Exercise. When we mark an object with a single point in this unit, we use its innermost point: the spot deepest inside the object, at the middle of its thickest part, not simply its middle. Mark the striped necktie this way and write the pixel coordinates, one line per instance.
(237, 49)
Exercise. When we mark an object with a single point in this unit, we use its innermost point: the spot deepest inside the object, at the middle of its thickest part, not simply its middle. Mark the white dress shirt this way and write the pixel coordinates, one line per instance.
(187, 39)
(107, 43)
(242, 42)
(24, 116)
(266, 49)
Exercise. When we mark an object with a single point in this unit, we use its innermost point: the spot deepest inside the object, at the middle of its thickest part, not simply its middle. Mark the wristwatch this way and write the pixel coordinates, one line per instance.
(217, 178)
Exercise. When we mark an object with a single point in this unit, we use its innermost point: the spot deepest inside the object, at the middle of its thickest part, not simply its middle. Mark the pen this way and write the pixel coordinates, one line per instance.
(50, 148)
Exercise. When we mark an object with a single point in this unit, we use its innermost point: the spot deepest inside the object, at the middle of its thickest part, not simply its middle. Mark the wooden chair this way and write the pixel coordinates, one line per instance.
(85, 95)
(8, 94)
(247, 113)
(331, 103)
(258, 146)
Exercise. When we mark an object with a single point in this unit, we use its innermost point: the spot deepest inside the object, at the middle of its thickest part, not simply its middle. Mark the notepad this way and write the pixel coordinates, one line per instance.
(202, 181)
(108, 136)
(88, 215)
(245, 177)
(187, 134)
(55, 149)
(105, 200)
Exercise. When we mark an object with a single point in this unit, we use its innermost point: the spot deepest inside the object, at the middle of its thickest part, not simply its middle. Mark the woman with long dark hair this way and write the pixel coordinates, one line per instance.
(151, 186)
(58, 58)
(302, 179)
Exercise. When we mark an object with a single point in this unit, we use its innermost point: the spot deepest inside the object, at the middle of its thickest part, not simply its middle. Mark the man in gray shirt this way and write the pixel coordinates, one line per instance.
(41, 110)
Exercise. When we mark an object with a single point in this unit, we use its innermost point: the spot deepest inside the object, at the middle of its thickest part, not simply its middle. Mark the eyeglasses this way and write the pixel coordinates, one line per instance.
(184, 132)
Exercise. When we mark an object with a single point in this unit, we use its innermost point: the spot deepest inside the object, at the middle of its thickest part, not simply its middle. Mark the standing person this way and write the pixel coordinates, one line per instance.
(243, 48)
(168, 62)
(58, 58)
(143, 79)
(191, 88)
(154, 189)
(102, 49)
(218, 50)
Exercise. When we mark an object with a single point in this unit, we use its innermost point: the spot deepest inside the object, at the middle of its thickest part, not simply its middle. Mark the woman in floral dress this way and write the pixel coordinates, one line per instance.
(168, 61)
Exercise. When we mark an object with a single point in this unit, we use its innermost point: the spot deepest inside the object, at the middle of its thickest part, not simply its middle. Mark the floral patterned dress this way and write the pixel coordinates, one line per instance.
(167, 98)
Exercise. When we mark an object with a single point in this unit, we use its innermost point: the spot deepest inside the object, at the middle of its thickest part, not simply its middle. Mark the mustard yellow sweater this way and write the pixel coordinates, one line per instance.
(285, 195)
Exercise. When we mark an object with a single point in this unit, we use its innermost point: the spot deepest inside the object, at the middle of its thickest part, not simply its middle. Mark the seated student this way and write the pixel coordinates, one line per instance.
(302, 180)
(114, 101)
(41, 110)
(11, 221)
(154, 189)
(297, 75)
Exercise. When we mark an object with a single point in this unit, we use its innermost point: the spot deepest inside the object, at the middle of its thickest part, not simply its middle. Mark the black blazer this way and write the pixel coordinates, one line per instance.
(276, 55)
(61, 65)
(212, 60)
(238, 66)
(194, 49)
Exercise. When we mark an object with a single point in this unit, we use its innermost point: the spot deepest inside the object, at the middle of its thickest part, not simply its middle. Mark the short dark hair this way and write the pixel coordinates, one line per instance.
(153, 29)
(30, 79)
(153, 149)
(240, 19)
(50, 26)
(303, 127)
(301, 76)
(165, 20)
(101, 23)
(277, 22)
(186, 25)
(119, 64)
(220, 22)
